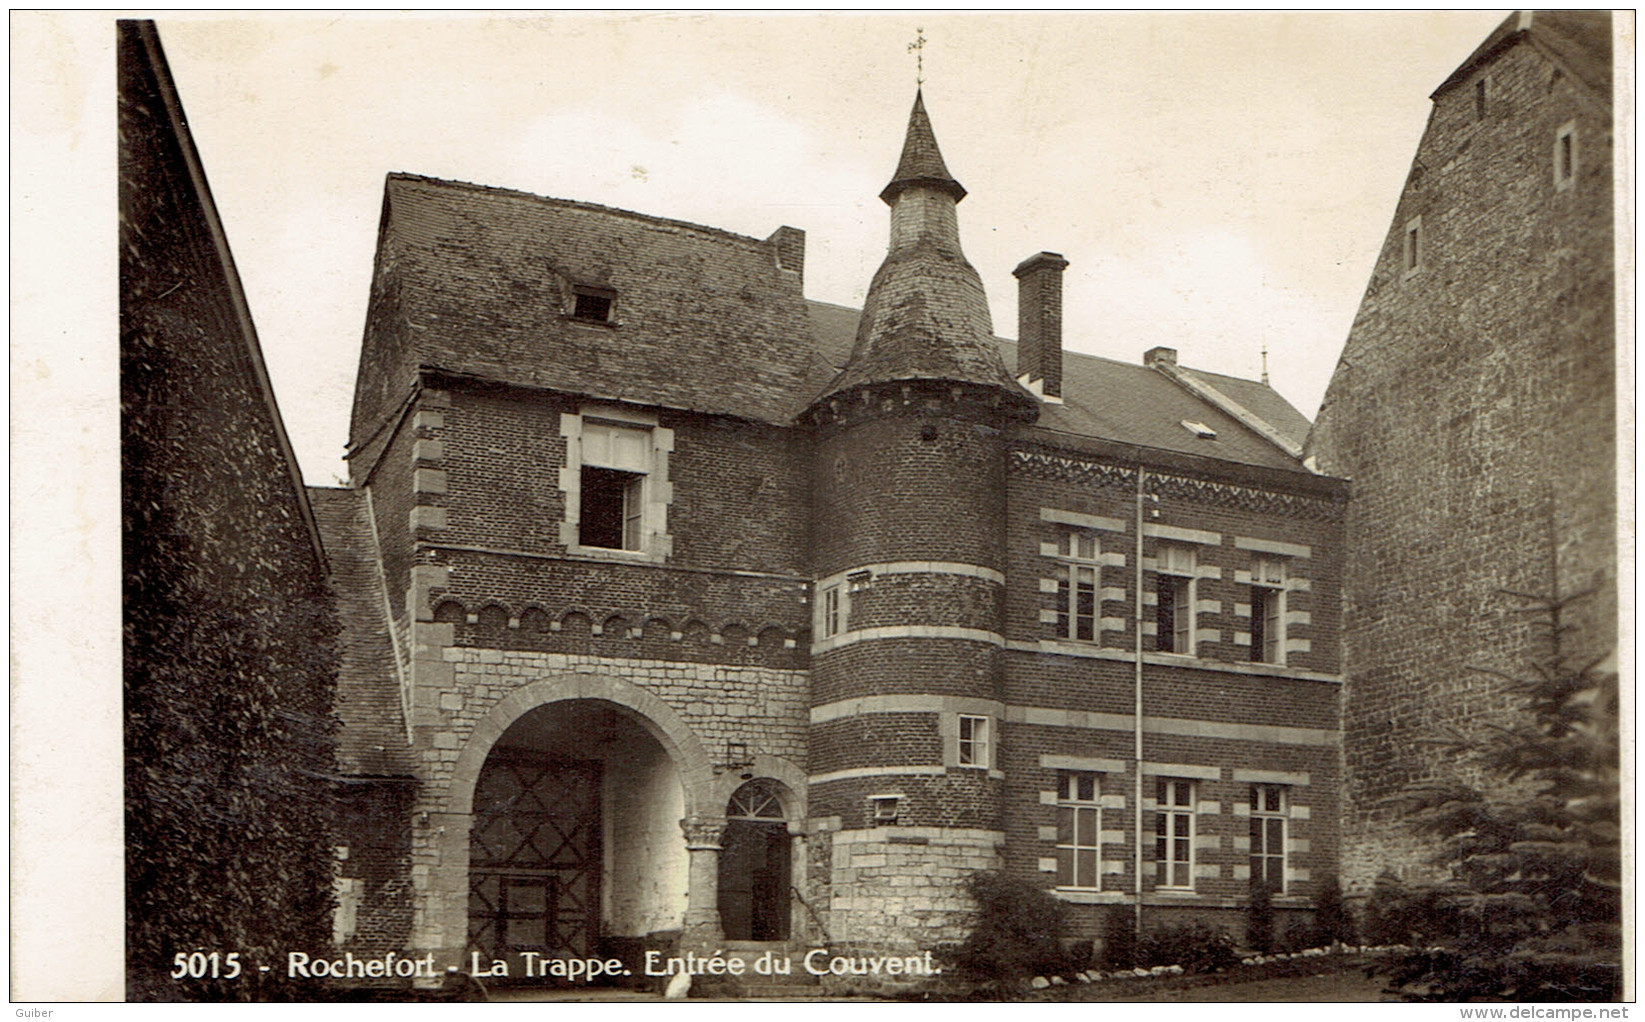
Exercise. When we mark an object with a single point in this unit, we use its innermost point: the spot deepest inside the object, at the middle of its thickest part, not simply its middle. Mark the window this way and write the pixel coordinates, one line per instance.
(616, 460)
(885, 809)
(1174, 835)
(593, 304)
(1078, 575)
(973, 749)
(833, 618)
(1565, 156)
(1079, 830)
(1268, 836)
(1268, 610)
(1414, 246)
(1174, 619)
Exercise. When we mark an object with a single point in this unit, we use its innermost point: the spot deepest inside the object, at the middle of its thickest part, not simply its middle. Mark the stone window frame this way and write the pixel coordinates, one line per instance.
(1184, 608)
(1072, 562)
(1567, 156)
(1413, 248)
(833, 609)
(981, 749)
(1261, 830)
(657, 492)
(574, 304)
(1166, 815)
(1054, 613)
(1069, 808)
(1292, 558)
(1268, 586)
(884, 807)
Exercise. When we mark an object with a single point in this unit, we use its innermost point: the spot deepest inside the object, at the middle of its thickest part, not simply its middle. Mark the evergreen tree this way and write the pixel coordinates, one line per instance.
(1535, 860)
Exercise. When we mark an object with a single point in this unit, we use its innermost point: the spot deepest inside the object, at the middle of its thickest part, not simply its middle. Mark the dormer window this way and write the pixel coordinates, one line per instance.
(593, 304)
(1199, 429)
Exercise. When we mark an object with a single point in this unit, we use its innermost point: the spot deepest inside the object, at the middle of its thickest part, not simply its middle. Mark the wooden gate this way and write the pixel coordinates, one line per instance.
(534, 857)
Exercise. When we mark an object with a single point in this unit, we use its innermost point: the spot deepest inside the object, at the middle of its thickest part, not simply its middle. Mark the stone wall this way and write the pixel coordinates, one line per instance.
(1474, 410)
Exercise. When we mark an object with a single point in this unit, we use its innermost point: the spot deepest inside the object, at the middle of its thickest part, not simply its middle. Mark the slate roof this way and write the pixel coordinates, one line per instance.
(1133, 404)
(926, 313)
(479, 281)
(1580, 41)
(921, 162)
(476, 281)
(372, 741)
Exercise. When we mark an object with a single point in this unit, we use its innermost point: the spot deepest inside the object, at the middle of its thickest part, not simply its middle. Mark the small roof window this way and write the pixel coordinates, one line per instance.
(594, 304)
(1199, 429)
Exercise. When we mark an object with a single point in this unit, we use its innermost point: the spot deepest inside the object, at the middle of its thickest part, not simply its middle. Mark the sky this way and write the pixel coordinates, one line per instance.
(1219, 182)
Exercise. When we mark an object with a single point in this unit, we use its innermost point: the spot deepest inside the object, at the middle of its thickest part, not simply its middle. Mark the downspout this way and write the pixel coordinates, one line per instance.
(1136, 713)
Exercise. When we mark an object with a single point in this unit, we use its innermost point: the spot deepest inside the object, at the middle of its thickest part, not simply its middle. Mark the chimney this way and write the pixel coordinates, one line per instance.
(789, 245)
(1039, 320)
(1154, 356)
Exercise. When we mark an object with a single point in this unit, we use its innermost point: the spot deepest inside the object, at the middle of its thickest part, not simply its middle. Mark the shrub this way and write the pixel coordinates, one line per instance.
(1196, 947)
(1332, 921)
(1119, 940)
(1018, 931)
(1259, 918)
(1300, 935)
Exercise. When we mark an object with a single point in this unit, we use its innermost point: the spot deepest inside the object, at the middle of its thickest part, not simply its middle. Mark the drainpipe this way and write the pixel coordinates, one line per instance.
(1136, 712)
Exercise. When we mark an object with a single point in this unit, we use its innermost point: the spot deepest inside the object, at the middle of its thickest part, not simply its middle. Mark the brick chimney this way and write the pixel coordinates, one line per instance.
(1039, 320)
(1154, 356)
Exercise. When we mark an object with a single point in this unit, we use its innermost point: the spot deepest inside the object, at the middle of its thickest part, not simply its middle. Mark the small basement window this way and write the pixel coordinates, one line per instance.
(593, 304)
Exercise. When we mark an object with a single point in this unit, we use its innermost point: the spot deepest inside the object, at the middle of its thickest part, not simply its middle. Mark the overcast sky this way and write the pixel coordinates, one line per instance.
(1217, 181)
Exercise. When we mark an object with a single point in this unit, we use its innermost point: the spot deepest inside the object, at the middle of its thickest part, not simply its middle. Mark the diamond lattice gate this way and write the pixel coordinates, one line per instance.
(534, 857)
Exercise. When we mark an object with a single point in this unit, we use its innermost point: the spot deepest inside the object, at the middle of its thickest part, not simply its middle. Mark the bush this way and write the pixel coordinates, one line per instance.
(1395, 914)
(1119, 940)
(1196, 947)
(1259, 918)
(1018, 932)
(1332, 921)
(1300, 935)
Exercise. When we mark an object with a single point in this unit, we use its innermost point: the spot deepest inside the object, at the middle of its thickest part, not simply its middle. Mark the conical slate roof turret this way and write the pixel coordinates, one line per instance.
(926, 316)
(921, 162)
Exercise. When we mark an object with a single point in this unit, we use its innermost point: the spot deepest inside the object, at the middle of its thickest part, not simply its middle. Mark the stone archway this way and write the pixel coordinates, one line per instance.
(619, 803)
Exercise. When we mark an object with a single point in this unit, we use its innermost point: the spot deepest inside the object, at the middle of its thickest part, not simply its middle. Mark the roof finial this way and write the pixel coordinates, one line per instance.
(1265, 363)
(917, 47)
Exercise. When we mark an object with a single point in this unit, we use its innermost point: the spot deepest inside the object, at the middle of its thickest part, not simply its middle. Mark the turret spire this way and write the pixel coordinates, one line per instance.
(925, 317)
(921, 162)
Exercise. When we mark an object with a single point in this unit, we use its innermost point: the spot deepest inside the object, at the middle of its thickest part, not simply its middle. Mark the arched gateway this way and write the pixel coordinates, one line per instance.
(577, 788)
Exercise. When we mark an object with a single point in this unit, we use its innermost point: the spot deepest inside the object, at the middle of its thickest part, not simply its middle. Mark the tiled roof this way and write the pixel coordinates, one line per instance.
(479, 281)
(1128, 403)
(372, 741)
(1579, 40)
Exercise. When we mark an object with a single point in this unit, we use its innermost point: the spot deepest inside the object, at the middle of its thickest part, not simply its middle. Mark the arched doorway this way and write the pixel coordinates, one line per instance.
(755, 870)
(575, 847)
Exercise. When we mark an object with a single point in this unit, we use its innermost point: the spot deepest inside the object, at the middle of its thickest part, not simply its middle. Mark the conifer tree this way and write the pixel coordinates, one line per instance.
(1535, 856)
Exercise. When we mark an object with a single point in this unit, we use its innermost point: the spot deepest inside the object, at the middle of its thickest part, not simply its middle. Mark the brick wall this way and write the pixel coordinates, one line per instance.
(1473, 408)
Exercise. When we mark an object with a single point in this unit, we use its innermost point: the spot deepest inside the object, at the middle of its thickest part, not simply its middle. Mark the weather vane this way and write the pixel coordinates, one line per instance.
(917, 47)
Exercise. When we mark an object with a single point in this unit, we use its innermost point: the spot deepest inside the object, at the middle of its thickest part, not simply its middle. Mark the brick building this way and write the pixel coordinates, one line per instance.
(1474, 410)
(684, 610)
